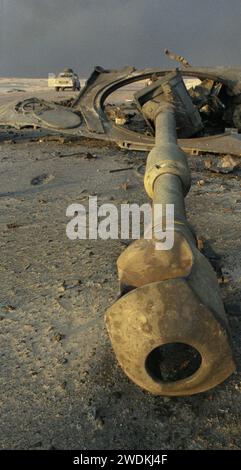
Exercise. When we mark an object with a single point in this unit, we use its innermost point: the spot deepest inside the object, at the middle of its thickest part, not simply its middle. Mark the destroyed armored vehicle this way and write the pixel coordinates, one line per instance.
(169, 298)
(215, 94)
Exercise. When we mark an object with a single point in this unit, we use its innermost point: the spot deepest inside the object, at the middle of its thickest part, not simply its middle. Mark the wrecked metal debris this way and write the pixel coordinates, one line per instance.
(177, 58)
(86, 116)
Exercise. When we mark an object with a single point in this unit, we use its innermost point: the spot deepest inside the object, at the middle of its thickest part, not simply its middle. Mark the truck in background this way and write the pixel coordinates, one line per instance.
(66, 80)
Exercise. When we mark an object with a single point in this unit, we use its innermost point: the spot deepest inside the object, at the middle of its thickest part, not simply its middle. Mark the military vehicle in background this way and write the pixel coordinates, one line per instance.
(66, 80)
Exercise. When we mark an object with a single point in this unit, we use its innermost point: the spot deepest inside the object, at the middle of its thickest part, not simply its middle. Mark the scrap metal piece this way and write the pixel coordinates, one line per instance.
(169, 298)
(210, 99)
(178, 58)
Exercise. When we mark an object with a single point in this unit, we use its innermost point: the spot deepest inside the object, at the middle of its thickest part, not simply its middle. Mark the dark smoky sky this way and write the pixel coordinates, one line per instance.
(41, 36)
